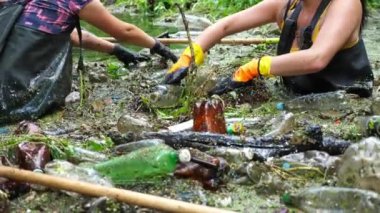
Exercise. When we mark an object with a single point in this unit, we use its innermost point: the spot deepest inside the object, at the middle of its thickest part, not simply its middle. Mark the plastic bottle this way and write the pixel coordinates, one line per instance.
(370, 125)
(209, 116)
(202, 167)
(165, 96)
(143, 164)
(80, 172)
(234, 155)
(334, 199)
(199, 117)
(132, 146)
(33, 156)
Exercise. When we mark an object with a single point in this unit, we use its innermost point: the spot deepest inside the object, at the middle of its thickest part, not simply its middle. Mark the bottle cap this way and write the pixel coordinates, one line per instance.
(38, 170)
(280, 106)
(184, 155)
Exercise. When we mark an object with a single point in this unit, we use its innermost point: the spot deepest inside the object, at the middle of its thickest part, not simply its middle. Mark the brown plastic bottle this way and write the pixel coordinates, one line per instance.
(199, 116)
(204, 168)
(209, 116)
(33, 156)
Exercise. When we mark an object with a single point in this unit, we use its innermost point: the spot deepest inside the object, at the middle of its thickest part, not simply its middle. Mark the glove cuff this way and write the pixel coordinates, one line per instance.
(117, 49)
(264, 66)
(198, 52)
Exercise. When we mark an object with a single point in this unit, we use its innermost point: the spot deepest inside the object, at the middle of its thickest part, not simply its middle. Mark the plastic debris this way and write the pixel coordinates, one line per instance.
(143, 164)
(68, 170)
(165, 96)
(370, 125)
(208, 170)
(236, 128)
(280, 106)
(132, 146)
(334, 199)
(360, 165)
(209, 116)
(33, 156)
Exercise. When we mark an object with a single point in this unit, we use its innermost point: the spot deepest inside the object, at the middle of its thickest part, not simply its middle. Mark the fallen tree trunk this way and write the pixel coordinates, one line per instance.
(264, 146)
(130, 197)
(223, 41)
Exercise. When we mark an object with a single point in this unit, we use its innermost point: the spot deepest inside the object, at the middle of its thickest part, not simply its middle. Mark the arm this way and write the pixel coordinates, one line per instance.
(96, 14)
(92, 42)
(262, 13)
(341, 25)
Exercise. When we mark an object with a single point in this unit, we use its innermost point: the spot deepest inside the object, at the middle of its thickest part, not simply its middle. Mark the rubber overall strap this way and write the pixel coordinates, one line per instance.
(307, 33)
(80, 61)
(289, 31)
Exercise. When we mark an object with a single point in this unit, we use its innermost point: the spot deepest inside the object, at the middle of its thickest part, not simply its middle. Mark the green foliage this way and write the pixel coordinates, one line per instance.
(115, 70)
(216, 8)
(59, 147)
(374, 3)
(98, 145)
(221, 8)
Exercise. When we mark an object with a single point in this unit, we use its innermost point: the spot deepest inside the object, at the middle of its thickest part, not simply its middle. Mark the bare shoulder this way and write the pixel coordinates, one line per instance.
(351, 9)
(281, 8)
(346, 5)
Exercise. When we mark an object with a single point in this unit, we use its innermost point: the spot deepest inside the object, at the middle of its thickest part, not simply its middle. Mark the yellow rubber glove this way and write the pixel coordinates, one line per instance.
(243, 76)
(179, 70)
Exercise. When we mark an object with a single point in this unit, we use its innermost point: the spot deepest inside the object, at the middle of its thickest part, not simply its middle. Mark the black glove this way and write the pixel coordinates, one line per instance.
(126, 56)
(163, 51)
(227, 85)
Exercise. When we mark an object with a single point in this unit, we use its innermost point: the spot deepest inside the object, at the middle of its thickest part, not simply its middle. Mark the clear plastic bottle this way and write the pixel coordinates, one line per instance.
(334, 199)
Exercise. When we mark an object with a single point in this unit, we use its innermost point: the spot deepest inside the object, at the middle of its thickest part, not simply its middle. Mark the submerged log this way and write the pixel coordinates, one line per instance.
(264, 146)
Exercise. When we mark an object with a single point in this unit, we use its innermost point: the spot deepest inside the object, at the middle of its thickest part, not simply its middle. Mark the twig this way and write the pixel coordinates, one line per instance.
(186, 24)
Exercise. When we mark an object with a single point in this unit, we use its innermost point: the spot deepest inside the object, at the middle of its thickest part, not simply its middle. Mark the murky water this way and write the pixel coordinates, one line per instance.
(142, 21)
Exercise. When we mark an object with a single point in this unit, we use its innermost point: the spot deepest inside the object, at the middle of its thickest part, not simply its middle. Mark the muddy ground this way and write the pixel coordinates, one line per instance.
(114, 93)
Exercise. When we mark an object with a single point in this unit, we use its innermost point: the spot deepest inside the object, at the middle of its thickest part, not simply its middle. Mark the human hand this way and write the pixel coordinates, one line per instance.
(242, 77)
(179, 70)
(126, 56)
(163, 51)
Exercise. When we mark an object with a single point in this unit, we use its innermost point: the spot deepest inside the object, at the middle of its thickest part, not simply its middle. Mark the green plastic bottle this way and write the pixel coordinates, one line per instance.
(144, 164)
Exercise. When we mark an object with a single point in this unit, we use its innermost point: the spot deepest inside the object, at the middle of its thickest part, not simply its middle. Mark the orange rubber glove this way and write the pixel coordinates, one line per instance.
(243, 76)
(179, 70)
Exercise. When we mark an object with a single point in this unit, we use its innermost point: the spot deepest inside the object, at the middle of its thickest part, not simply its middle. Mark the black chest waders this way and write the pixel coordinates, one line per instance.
(35, 71)
(349, 70)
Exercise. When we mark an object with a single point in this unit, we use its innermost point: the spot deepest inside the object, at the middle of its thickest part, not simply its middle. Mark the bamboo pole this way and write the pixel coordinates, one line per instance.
(226, 41)
(130, 197)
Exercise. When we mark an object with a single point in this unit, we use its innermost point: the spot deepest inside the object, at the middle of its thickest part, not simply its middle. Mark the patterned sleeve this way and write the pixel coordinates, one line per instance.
(76, 5)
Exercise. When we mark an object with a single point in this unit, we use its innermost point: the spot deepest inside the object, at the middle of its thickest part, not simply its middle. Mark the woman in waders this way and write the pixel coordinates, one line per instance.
(35, 51)
(320, 47)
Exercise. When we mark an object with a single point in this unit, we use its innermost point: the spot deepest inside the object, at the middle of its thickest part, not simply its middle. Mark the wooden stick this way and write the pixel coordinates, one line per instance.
(223, 41)
(130, 197)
